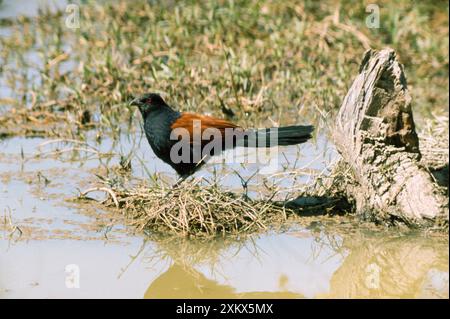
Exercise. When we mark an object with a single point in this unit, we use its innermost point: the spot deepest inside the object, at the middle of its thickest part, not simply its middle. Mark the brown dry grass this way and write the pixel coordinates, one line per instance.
(193, 209)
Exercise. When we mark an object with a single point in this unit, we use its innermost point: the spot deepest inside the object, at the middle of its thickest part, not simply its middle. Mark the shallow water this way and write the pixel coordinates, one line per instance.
(14, 8)
(54, 247)
(43, 232)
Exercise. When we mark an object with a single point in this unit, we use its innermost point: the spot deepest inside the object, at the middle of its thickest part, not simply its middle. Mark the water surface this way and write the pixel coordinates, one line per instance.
(54, 247)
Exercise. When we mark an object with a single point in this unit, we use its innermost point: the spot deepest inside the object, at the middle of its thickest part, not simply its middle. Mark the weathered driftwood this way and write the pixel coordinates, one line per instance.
(375, 134)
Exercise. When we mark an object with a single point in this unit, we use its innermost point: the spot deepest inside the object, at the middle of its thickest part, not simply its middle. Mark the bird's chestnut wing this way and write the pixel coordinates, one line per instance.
(199, 124)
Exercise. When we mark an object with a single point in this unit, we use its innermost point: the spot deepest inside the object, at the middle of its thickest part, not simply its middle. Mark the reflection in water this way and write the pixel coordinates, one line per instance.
(404, 267)
(349, 263)
(265, 266)
(333, 257)
(290, 265)
(372, 266)
(178, 282)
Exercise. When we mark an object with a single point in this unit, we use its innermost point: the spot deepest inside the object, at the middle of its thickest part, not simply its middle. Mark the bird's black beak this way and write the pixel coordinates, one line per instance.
(135, 102)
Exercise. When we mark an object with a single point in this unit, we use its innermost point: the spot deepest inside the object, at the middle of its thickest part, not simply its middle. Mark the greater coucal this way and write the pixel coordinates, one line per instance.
(160, 120)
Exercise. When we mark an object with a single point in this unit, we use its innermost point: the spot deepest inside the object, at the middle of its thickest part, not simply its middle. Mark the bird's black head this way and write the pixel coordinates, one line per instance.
(149, 102)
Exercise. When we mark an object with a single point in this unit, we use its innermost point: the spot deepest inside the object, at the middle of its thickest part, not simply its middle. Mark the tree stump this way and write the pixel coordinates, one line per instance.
(375, 134)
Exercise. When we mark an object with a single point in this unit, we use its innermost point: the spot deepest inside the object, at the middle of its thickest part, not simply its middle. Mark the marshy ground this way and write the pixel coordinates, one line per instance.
(66, 127)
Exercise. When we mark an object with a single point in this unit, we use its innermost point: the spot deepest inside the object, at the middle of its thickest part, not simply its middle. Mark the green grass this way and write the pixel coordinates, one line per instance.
(254, 61)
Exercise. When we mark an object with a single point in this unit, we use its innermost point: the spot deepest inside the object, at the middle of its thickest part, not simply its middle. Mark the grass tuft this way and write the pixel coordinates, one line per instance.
(193, 209)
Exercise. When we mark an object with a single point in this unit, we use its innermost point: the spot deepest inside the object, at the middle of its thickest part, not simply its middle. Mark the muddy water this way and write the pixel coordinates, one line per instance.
(52, 246)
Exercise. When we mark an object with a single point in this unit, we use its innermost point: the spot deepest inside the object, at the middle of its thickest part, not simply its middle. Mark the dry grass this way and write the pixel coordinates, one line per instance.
(203, 209)
(434, 147)
(255, 61)
(194, 209)
(434, 142)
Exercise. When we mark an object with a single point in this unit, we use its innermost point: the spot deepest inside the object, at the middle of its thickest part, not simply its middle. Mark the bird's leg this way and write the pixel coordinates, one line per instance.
(179, 181)
(185, 176)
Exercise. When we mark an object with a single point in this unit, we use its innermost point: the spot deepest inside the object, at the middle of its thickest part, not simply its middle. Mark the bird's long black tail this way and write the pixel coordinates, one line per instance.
(282, 136)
